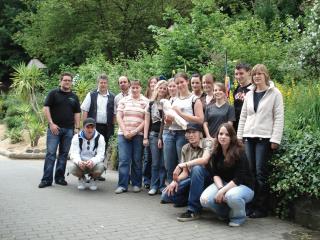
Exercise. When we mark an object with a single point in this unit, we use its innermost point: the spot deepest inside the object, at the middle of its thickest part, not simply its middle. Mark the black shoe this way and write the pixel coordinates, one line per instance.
(44, 184)
(188, 216)
(61, 182)
(164, 202)
(258, 214)
(147, 186)
(100, 179)
(249, 211)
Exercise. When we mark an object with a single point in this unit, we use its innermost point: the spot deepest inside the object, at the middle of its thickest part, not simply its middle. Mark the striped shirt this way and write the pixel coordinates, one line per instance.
(133, 112)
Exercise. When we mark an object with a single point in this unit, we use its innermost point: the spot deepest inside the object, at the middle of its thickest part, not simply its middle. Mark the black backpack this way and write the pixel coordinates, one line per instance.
(96, 142)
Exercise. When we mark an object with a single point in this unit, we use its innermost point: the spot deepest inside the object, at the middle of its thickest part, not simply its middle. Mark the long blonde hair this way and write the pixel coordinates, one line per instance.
(156, 90)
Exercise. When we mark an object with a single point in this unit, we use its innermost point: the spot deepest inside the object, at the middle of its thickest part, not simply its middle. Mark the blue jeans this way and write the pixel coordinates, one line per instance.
(158, 174)
(173, 142)
(258, 151)
(147, 161)
(130, 157)
(190, 189)
(63, 140)
(235, 206)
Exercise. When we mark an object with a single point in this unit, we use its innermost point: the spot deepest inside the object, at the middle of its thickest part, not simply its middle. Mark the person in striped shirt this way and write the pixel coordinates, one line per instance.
(131, 113)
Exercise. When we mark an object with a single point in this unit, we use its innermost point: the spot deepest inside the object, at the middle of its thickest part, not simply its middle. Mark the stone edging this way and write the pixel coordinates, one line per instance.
(15, 155)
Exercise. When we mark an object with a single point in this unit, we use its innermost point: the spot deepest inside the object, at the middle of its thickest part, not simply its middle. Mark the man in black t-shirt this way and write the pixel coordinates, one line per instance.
(62, 110)
(242, 75)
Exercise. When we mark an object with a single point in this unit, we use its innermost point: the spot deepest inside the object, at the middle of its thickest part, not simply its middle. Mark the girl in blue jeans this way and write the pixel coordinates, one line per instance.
(189, 107)
(152, 138)
(233, 181)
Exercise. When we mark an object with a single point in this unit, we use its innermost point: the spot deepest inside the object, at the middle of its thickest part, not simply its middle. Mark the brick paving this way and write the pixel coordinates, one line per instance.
(59, 212)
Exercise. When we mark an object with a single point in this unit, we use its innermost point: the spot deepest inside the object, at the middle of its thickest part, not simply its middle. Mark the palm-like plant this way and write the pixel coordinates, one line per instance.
(26, 81)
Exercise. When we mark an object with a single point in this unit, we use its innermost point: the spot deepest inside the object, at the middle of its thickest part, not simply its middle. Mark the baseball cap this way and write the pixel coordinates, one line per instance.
(194, 126)
(89, 121)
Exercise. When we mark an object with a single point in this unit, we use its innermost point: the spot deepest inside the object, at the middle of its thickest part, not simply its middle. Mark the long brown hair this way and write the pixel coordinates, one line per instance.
(148, 93)
(235, 149)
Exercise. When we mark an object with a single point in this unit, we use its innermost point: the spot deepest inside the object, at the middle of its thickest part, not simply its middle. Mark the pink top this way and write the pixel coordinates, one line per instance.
(133, 112)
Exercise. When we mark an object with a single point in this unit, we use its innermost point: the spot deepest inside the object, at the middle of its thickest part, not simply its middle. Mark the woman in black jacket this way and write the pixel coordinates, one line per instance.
(233, 181)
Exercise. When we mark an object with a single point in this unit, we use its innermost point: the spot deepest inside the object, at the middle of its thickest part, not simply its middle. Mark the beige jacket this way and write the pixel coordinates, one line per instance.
(268, 121)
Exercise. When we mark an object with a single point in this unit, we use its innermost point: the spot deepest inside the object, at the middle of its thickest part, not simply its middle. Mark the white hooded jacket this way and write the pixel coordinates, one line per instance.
(77, 155)
(268, 121)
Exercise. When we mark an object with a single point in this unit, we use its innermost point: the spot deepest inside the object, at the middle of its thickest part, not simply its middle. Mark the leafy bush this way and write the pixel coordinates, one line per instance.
(12, 118)
(310, 45)
(296, 166)
(296, 169)
(15, 134)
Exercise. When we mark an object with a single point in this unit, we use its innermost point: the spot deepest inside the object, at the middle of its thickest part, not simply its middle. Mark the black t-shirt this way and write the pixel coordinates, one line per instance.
(63, 106)
(238, 97)
(239, 172)
(256, 99)
(215, 116)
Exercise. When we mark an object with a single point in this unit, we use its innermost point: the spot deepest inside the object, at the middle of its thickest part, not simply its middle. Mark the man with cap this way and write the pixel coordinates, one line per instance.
(87, 155)
(190, 177)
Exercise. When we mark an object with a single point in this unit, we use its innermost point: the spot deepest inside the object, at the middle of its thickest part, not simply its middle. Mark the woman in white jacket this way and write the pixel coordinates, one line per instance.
(261, 127)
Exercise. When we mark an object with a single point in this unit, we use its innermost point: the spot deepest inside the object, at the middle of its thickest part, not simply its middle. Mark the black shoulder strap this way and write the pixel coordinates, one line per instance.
(96, 142)
(194, 99)
(80, 142)
(150, 106)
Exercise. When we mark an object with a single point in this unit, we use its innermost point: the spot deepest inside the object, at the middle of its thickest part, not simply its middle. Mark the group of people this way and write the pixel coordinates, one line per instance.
(192, 147)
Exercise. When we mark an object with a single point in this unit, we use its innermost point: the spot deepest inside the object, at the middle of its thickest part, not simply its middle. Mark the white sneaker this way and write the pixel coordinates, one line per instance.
(93, 185)
(233, 224)
(81, 184)
(153, 192)
(136, 189)
(120, 190)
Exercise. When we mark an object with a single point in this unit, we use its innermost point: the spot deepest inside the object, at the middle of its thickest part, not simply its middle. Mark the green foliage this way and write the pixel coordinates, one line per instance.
(67, 32)
(26, 82)
(12, 116)
(114, 153)
(2, 106)
(310, 45)
(15, 135)
(295, 168)
(33, 126)
(10, 52)
(303, 106)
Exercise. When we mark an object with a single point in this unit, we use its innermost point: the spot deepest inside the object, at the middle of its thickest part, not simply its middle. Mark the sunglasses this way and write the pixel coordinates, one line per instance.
(88, 145)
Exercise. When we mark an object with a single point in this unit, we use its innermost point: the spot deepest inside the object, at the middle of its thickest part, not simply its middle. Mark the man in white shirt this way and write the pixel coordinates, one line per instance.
(87, 155)
(99, 105)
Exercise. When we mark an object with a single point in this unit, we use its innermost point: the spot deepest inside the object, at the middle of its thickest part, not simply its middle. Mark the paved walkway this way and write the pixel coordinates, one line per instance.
(58, 212)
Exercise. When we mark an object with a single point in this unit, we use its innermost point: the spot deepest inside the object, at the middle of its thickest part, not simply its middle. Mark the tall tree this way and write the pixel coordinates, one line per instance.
(10, 52)
(68, 31)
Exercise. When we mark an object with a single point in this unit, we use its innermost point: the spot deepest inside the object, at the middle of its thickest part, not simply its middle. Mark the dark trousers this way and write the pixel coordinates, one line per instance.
(258, 151)
(190, 189)
(63, 141)
(106, 131)
(147, 162)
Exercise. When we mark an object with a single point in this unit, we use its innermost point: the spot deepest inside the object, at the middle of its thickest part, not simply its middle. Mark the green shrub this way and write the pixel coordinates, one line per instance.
(15, 134)
(296, 168)
(13, 121)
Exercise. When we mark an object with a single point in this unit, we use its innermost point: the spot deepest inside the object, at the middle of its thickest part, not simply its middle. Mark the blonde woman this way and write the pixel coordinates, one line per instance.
(208, 81)
(261, 126)
(152, 137)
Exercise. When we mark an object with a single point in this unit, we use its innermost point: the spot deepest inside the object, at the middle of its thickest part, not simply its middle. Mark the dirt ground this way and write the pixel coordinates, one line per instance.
(5, 143)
